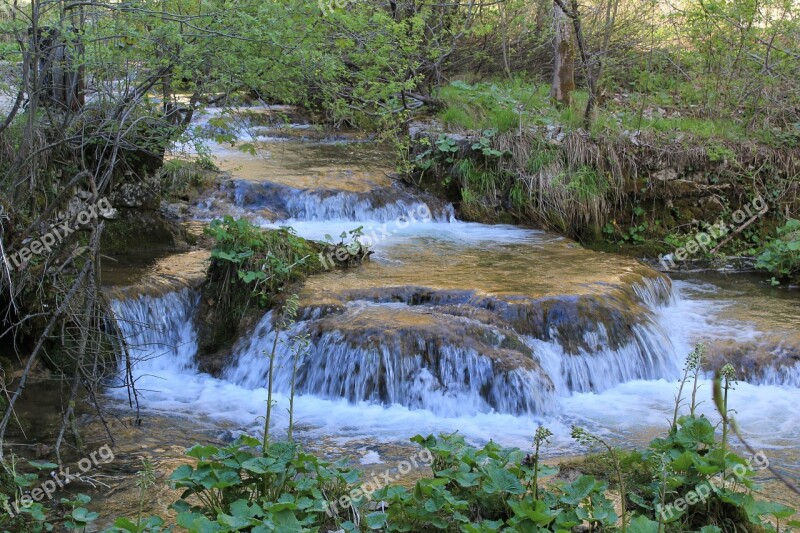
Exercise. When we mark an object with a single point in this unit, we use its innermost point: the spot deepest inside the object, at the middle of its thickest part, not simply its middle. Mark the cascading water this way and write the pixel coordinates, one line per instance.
(417, 369)
(380, 205)
(159, 330)
(488, 330)
(562, 390)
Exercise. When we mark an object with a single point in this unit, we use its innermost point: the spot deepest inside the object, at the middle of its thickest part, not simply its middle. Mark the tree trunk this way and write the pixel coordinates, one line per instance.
(58, 79)
(564, 58)
(504, 37)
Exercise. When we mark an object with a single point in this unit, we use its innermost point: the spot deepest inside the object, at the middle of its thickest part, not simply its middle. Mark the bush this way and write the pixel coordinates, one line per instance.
(238, 488)
(781, 256)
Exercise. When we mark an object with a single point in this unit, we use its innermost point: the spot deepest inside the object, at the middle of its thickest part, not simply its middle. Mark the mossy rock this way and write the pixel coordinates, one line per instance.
(135, 231)
(251, 270)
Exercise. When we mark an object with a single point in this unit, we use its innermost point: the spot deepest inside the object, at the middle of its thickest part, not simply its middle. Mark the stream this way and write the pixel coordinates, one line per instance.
(487, 330)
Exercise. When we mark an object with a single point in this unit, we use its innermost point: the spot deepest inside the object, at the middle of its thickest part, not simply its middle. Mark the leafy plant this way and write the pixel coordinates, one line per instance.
(282, 488)
(14, 483)
(584, 437)
(22, 513)
(447, 146)
(781, 256)
(264, 260)
(484, 144)
(348, 251)
(424, 160)
(634, 233)
(718, 152)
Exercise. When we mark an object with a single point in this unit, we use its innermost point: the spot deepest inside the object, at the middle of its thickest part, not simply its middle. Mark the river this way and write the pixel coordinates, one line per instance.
(487, 330)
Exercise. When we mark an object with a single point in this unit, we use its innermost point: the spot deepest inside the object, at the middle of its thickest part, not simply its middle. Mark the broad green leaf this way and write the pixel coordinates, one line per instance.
(501, 480)
(642, 524)
(376, 520)
(575, 492)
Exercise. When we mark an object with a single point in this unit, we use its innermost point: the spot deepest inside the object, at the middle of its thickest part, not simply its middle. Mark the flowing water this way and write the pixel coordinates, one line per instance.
(488, 330)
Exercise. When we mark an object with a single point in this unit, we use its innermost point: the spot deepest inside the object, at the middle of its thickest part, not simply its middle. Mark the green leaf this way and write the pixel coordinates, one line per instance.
(24, 480)
(467, 479)
(485, 526)
(127, 525)
(233, 522)
(286, 522)
(535, 511)
(183, 472)
(251, 275)
(81, 514)
(258, 465)
(642, 524)
(694, 431)
(376, 520)
(639, 501)
(248, 148)
(41, 466)
(757, 508)
(501, 480)
(683, 462)
(202, 452)
(575, 492)
(245, 509)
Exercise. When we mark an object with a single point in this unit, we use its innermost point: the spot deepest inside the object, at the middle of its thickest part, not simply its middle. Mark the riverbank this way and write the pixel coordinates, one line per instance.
(643, 193)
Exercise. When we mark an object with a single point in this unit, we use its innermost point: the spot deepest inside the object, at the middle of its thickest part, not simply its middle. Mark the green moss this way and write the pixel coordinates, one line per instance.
(135, 231)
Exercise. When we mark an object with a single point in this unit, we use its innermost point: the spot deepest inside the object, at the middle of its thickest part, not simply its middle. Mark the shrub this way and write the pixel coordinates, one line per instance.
(238, 488)
(781, 256)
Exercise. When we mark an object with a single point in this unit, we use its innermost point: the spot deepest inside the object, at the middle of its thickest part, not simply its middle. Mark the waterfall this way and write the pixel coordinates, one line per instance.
(453, 326)
(159, 331)
(440, 368)
(781, 375)
(382, 204)
(414, 371)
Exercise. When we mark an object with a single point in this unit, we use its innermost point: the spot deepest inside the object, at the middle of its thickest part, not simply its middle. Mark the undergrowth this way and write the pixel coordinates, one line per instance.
(781, 256)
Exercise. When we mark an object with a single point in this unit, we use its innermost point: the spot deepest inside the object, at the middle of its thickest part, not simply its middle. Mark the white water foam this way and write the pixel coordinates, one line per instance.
(171, 384)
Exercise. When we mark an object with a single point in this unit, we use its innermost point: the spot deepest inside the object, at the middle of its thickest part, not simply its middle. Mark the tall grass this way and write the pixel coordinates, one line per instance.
(509, 105)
